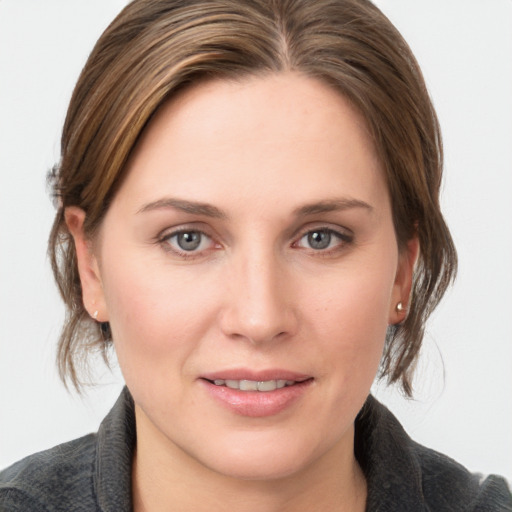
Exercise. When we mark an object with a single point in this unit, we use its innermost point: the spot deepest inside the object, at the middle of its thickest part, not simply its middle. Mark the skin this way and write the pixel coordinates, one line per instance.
(255, 294)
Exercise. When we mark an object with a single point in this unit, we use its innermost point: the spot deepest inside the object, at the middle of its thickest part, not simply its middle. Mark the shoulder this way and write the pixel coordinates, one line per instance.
(447, 485)
(88, 474)
(57, 479)
(402, 473)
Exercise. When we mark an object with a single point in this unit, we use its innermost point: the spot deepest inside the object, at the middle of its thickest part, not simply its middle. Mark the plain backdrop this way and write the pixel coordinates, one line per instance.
(463, 404)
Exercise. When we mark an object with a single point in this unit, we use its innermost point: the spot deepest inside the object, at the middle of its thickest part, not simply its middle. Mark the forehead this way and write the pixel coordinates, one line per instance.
(260, 136)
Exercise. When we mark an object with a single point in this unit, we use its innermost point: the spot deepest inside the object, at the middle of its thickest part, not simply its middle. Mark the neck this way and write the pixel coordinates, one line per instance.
(164, 479)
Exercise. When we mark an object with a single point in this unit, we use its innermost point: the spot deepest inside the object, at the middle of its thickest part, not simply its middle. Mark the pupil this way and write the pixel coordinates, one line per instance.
(189, 241)
(319, 239)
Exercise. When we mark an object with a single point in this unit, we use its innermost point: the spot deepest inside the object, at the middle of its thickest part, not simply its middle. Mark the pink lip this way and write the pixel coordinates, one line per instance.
(256, 404)
(261, 375)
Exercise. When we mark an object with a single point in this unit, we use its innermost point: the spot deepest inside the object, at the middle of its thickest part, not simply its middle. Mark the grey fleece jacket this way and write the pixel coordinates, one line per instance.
(92, 474)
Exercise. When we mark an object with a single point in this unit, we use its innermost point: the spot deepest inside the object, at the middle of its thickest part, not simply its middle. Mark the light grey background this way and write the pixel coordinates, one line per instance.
(465, 50)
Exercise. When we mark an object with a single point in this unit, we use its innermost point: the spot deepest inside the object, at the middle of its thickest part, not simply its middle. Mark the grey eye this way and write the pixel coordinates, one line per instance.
(320, 239)
(188, 243)
(189, 240)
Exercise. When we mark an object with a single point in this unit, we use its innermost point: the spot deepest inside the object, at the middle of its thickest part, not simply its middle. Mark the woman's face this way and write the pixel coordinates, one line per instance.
(251, 246)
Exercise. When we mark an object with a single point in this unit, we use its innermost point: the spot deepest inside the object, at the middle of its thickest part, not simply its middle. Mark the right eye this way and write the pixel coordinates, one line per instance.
(187, 241)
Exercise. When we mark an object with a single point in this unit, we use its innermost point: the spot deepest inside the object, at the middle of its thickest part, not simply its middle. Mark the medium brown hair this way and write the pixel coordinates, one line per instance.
(155, 48)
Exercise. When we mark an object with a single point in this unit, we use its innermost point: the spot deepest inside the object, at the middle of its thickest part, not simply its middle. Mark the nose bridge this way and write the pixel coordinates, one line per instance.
(259, 308)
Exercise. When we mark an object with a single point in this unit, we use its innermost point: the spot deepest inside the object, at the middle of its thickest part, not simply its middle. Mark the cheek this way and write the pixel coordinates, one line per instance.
(151, 312)
(351, 320)
(356, 301)
(161, 317)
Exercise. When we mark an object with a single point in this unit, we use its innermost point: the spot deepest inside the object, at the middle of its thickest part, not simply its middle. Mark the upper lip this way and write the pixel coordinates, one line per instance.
(255, 375)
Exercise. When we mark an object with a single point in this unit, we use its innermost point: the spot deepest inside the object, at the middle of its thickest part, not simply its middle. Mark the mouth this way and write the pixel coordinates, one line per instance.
(263, 386)
(257, 394)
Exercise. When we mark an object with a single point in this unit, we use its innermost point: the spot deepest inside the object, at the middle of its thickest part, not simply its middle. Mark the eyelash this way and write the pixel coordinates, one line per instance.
(344, 240)
(165, 239)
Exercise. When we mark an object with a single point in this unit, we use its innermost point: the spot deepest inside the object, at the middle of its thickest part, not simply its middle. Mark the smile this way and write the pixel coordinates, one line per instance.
(263, 394)
(253, 385)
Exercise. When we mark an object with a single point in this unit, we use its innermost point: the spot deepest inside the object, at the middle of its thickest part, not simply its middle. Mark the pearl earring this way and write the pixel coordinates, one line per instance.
(400, 308)
(95, 315)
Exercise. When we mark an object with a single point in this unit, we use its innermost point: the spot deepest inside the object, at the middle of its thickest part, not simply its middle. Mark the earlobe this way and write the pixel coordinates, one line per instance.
(400, 305)
(88, 267)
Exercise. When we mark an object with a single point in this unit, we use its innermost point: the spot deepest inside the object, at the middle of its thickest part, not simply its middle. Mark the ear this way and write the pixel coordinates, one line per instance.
(403, 281)
(88, 267)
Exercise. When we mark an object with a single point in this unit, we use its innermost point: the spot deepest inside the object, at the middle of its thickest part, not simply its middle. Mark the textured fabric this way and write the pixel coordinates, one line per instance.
(93, 473)
(90, 474)
(404, 476)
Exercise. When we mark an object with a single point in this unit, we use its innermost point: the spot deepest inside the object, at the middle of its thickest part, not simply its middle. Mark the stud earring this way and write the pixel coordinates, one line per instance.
(400, 308)
(95, 315)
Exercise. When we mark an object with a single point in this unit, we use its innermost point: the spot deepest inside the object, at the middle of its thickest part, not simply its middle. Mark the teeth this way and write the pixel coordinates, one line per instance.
(248, 385)
(268, 385)
(253, 385)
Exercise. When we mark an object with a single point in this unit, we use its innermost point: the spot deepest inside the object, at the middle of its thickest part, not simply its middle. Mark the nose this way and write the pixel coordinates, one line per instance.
(259, 303)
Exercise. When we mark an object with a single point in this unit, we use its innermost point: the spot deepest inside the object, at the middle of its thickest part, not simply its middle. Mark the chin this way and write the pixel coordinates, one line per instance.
(262, 457)
(272, 467)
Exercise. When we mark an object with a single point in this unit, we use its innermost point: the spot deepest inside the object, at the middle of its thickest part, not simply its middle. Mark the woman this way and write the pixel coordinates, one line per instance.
(248, 212)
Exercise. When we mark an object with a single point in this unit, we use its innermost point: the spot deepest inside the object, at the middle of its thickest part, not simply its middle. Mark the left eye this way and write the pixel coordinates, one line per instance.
(188, 241)
(321, 239)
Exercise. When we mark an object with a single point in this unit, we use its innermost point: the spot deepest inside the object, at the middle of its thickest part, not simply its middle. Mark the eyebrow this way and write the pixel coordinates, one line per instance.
(208, 210)
(192, 207)
(331, 205)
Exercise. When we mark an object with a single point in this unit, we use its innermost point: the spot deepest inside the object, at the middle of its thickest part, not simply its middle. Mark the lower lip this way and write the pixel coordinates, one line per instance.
(257, 404)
